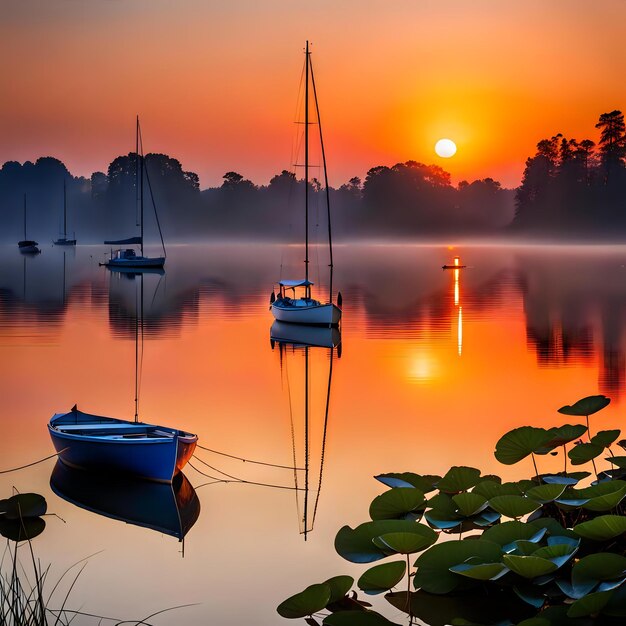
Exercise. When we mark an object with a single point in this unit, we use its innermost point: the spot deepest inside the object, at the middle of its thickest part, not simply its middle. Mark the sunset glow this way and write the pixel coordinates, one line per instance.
(216, 84)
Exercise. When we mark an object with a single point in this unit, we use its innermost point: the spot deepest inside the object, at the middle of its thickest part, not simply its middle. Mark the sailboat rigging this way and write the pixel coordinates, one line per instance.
(27, 246)
(64, 241)
(305, 309)
(116, 446)
(127, 258)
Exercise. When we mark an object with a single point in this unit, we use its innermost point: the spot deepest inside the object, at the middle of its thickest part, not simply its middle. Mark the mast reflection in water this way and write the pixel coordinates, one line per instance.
(293, 341)
(167, 508)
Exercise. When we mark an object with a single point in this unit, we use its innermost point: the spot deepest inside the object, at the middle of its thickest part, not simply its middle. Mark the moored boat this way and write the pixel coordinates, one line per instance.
(65, 240)
(303, 309)
(123, 258)
(115, 446)
(27, 246)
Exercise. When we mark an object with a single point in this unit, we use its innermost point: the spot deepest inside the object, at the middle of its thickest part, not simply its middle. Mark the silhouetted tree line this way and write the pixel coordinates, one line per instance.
(576, 187)
(408, 199)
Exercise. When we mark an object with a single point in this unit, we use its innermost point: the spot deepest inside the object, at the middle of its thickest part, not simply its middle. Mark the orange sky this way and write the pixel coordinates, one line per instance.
(216, 82)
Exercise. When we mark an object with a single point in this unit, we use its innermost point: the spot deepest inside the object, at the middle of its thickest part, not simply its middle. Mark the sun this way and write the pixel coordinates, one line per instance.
(445, 148)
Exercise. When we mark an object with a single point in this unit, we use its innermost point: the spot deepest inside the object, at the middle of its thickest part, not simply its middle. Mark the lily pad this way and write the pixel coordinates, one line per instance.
(585, 406)
(469, 504)
(21, 530)
(307, 602)
(480, 571)
(25, 505)
(529, 566)
(489, 489)
(425, 483)
(382, 578)
(546, 493)
(433, 574)
(569, 479)
(593, 569)
(602, 528)
(519, 443)
(459, 479)
(356, 545)
(407, 542)
(508, 532)
(584, 452)
(513, 506)
(603, 496)
(558, 553)
(591, 604)
(567, 433)
(339, 587)
(396, 503)
(605, 438)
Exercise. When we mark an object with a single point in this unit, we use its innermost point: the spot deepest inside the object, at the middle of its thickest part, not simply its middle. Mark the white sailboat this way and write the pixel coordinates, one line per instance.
(64, 241)
(294, 303)
(127, 258)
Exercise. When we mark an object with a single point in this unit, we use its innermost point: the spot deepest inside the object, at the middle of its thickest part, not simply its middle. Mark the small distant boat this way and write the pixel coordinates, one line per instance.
(64, 241)
(125, 258)
(115, 446)
(27, 246)
(302, 308)
(171, 509)
(455, 266)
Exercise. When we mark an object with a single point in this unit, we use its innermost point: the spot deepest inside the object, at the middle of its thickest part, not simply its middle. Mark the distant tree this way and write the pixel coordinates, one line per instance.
(99, 184)
(612, 143)
(231, 180)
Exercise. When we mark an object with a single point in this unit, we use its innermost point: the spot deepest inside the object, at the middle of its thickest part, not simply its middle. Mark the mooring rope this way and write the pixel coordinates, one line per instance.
(215, 479)
(240, 458)
(15, 469)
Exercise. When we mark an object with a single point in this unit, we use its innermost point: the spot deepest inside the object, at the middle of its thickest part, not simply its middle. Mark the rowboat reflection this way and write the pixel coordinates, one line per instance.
(167, 508)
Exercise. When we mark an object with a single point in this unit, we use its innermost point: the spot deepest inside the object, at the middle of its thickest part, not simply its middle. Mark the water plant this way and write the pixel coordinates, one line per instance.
(474, 550)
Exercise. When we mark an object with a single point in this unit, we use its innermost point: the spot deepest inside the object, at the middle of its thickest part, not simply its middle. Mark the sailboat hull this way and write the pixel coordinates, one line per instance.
(65, 242)
(313, 314)
(112, 446)
(138, 263)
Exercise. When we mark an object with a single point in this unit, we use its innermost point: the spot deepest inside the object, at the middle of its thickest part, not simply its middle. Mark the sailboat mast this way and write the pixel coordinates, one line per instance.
(306, 169)
(64, 209)
(140, 144)
(24, 217)
(330, 238)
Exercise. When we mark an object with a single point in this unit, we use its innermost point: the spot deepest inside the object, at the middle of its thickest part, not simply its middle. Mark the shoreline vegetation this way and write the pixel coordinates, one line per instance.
(571, 190)
(533, 552)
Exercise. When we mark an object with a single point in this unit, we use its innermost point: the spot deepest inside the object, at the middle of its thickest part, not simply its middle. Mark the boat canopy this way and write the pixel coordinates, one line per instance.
(295, 283)
(123, 242)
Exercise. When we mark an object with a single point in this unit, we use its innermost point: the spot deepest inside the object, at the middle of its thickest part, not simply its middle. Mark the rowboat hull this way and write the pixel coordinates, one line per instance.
(314, 314)
(111, 446)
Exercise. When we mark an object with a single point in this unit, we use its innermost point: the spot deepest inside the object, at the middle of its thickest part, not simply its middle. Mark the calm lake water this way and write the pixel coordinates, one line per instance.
(433, 368)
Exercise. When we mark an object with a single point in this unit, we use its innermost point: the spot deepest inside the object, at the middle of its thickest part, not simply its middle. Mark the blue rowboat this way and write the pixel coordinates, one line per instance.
(114, 446)
(170, 509)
